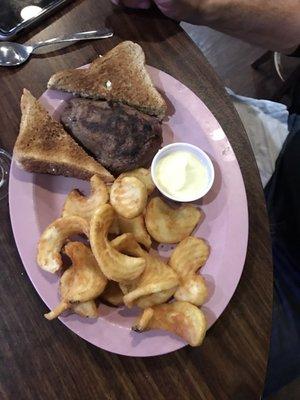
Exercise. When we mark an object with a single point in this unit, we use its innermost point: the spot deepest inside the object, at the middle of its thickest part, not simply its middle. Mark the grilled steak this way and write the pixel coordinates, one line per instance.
(118, 136)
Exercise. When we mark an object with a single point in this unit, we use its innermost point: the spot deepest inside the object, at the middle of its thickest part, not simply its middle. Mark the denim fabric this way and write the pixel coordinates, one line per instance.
(282, 196)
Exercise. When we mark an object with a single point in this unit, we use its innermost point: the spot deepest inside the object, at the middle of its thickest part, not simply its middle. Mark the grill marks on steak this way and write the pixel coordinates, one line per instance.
(118, 136)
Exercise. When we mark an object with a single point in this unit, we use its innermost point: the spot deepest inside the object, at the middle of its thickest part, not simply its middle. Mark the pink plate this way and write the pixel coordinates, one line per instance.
(36, 200)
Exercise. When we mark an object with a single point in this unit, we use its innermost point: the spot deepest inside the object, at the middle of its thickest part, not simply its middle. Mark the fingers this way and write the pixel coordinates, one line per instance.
(168, 7)
(133, 3)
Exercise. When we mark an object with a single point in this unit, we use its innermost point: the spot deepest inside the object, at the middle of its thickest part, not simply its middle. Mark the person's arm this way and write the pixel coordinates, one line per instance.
(273, 24)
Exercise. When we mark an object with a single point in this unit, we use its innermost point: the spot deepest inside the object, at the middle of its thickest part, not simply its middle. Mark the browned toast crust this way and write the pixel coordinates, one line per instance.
(52, 168)
(119, 76)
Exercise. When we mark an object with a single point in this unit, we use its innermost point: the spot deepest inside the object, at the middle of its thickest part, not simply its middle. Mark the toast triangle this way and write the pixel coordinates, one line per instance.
(119, 76)
(43, 146)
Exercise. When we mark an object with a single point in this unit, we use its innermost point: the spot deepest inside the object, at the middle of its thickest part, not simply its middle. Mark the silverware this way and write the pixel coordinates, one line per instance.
(12, 53)
(5, 160)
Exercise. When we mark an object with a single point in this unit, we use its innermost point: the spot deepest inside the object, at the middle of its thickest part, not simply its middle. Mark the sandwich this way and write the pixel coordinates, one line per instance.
(112, 126)
(43, 146)
(120, 76)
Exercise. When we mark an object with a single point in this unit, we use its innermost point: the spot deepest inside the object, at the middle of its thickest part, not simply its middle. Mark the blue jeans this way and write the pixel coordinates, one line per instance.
(283, 202)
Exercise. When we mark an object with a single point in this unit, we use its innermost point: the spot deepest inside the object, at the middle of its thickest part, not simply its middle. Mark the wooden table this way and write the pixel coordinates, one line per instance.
(42, 360)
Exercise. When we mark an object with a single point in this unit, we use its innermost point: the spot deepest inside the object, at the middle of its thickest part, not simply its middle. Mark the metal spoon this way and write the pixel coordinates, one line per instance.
(12, 54)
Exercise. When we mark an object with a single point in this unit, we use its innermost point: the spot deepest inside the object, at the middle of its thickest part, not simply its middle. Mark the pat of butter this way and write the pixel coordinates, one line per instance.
(181, 174)
(108, 85)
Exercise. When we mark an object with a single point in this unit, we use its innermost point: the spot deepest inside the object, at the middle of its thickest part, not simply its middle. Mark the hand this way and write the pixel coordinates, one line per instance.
(181, 10)
(133, 3)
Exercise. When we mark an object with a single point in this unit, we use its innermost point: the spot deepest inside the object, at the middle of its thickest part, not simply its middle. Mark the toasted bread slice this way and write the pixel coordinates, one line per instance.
(119, 76)
(43, 146)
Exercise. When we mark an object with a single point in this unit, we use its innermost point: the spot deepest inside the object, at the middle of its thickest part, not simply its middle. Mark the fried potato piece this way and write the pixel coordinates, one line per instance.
(155, 298)
(53, 239)
(149, 300)
(87, 309)
(157, 283)
(115, 265)
(131, 225)
(114, 229)
(158, 278)
(192, 289)
(82, 282)
(82, 206)
(128, 196)
(143, 321)
(189, 255)
(180, 317)
(144, 175)
(169, 225)
(127, 244)
(136, 226)
(113, 294)
(127, 287)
